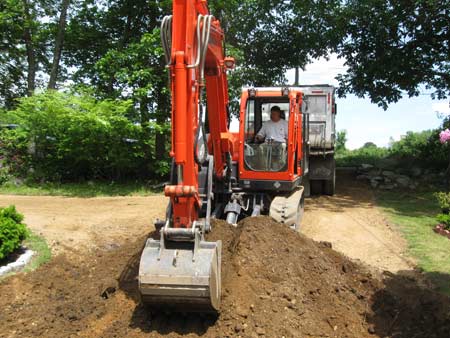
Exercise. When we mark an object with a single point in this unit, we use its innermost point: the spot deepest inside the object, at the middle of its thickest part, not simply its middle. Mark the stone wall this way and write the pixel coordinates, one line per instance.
(400, 178)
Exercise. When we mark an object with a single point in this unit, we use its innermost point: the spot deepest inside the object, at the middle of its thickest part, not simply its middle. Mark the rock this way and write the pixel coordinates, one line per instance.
(373, 173)
(362, 177)
(374, 183)
(387, 186)
(242, 312)
(378, 178)
(388, 173)
(366, 166)
(403, 181)
(416, 171)
(260, 331)
(238, 328)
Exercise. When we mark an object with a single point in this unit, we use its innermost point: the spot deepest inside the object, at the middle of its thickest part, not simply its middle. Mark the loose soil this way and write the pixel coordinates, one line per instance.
(276, 283)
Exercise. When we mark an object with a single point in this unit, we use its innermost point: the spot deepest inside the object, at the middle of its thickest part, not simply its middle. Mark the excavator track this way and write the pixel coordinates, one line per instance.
(289, 209)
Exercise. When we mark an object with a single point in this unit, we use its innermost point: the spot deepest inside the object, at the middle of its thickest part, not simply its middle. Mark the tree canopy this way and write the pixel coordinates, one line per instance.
(391, 48)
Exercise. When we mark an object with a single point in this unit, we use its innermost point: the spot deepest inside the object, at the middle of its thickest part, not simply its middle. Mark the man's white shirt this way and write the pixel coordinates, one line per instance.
(278, 131)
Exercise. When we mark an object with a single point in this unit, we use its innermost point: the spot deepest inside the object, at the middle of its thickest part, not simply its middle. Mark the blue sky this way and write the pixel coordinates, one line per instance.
(365, 121)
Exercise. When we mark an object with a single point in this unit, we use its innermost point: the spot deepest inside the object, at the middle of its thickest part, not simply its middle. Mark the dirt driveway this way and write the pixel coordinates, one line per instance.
(90, 287)
(349, 220)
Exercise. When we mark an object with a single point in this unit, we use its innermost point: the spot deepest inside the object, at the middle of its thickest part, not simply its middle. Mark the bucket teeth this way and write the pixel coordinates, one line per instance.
(180, 278)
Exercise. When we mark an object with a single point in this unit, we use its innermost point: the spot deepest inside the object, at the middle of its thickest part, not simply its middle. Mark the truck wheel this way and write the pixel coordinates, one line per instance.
(306, 186)
(316, 187)
(329, 186)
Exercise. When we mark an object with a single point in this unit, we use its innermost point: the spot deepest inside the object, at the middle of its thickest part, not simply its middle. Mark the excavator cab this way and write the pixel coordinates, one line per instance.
(272, 151)
(267, 153)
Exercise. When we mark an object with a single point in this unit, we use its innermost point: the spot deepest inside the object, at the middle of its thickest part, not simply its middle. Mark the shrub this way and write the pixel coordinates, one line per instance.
(369, 154)
(443, 199)
(423, 148)
(444, 219)
(12, 231)
(14, 153)
(65, 136)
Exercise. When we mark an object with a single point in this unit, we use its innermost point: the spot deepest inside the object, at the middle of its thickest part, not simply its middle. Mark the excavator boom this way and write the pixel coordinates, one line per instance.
(181, 271)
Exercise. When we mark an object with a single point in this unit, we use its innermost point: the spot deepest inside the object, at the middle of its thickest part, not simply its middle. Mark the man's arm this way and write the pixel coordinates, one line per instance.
(261, 135)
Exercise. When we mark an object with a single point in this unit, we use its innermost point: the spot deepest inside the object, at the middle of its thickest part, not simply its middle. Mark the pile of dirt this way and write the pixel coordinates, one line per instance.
(276, 283)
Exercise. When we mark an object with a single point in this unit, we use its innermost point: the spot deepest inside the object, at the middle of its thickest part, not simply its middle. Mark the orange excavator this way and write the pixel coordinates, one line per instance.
(217, 173)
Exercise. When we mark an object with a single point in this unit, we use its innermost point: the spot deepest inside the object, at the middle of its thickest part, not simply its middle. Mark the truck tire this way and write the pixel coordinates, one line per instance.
(306, 185)
(329, 186)
(316, 187)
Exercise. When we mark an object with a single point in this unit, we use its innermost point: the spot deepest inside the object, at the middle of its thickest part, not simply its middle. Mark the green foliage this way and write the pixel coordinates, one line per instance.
(74, 136)
(12, 231)
(421, 149)
(394, 47)
(370, 155)
(14, 153)
(423, 146)
(443, 199)
(341, 140)
(444, 219)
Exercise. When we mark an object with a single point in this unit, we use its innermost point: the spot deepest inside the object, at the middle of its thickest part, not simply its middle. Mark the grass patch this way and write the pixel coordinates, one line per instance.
(414, 214)
(42, 252)
(85, 189)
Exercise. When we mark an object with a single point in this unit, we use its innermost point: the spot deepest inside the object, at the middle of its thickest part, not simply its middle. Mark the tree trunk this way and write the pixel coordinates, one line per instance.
(161, 117)
(58, 44)
(28, 40)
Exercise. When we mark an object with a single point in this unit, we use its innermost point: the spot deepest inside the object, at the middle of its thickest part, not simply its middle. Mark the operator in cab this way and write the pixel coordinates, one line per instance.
(275, 130)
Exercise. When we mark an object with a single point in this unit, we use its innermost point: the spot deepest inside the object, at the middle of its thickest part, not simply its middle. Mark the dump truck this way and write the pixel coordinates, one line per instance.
(321, 110)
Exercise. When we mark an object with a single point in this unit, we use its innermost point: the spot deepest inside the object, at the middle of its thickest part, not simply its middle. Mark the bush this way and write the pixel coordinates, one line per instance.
(370, 155)
(422, 148)
(443, 199)
(444, 219)
(14, 153)
(68, 137)
(12, 231)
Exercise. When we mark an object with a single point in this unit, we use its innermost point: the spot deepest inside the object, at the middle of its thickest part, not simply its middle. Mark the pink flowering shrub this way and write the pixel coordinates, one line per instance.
(444, 136)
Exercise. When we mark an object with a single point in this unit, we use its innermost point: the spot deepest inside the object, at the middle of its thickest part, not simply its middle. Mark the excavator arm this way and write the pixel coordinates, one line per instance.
(196, 61)
(182, 271)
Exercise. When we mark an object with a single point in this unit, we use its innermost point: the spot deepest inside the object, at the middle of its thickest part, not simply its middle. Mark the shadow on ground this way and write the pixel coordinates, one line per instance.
(408, 307)
(350, 193)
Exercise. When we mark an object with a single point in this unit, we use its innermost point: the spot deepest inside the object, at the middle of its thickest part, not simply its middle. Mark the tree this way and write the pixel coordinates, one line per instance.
(393, 48)
(369, 145)
(26, 31)
(341, 140)
(58, 44)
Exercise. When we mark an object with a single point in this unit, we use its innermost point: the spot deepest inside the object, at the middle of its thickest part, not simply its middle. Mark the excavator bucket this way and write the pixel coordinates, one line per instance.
(181, 276)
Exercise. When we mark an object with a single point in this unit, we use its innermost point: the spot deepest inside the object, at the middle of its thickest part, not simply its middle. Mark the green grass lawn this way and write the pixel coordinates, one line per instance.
(42, 252)
(414, 213)
(86, 189)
